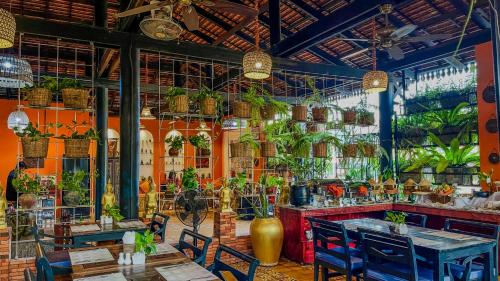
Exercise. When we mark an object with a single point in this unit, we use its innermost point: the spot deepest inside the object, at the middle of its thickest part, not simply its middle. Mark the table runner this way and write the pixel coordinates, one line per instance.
(130, 224)
(184, 272)
(84, 228)
(90, 256)
(106, 277)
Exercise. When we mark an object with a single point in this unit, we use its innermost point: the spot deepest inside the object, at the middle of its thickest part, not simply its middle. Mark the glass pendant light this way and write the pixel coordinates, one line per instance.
(18, 120)
(257, 64)
(7, 29)
(375, 81)
(15, 72)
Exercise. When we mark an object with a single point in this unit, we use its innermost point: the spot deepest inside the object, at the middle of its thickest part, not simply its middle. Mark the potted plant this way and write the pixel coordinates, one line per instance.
(273, 107)
(41, 95)
(74, 95)
(456, 122)
(30, 187)
(363, 116)
(366, 146)
(256, 103)
(201, 142)
(266, 232)
(349, 116)
(35, 143)
(210, 101)
(319, 113)
(189, 181)
(397, 220)
(144, 246)
(244, 146)
(349, 150)
(77, 144)
(175, 143)
(320, 144)
(177, 100)
(113, 214)
(73, 185)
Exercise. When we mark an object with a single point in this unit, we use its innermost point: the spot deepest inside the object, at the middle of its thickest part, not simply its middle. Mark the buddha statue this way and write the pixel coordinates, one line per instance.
(151, 199)
(108, 199)
(3, 207)
(225, 199)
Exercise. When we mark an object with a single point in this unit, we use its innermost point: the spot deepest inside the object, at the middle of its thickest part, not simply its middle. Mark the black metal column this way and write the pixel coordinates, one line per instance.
(102, 146)
(101, 13)
(129, 130)
(495, 23)
(386, 111)
(274, 22)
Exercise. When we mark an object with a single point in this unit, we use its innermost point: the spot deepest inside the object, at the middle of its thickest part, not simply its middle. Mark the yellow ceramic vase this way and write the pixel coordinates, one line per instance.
(267, 239)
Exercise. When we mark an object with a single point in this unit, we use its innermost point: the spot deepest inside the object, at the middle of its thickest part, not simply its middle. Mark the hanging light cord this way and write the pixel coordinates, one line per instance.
(374, 52)
(257, 26)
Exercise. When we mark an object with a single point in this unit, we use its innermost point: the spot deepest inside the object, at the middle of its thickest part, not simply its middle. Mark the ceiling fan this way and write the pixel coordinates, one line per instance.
(188, 11)
(388, 37)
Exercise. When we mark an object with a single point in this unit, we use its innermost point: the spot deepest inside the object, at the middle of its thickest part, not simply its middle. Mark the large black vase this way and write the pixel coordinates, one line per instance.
(301, 195)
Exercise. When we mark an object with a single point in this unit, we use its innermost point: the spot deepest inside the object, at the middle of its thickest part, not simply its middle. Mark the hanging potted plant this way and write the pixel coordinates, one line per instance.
(29, 187)
(244, 146)
(202, 143)
(177, 100)
(452, 123)
(350, 150)
(266, 231)
(74, 95)
(210, 101)
(41, 96)
(77, 145)
(321, 142)
(256, 103)
(175, 143)
(273, 107)
(363, 116)
(349, 116)
(144, 246)
(73, 185)
(398, 224)
(35, 144)
(319, 113)
(189, 181)
(241, 109)
(366, 146)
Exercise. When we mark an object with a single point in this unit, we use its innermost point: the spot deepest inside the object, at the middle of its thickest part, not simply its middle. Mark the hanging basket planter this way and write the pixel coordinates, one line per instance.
(39, 97)
(204, 152)
(241, 109)
(267, 112)
(312, 127)
(366, 118)
(35, 148)
(320, 150)
(349, 117)
(76, 148)
(368, 149)
(208, 106)
(180, 104)
(350, 150)
(71, 198)
(239, 149)
(299, 113)
(172, 152)
(320, 114)
(267, 149)
(76, 98)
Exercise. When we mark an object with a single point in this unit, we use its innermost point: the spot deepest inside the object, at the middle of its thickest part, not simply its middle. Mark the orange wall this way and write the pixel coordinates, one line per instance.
(488, 142)
(9, 147)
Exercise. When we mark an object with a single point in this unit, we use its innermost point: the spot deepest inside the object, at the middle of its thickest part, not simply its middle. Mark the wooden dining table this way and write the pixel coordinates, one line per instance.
(145, 272)
(435, 246)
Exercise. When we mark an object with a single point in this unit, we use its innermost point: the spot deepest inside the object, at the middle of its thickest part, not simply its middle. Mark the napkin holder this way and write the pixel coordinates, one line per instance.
(129, 242)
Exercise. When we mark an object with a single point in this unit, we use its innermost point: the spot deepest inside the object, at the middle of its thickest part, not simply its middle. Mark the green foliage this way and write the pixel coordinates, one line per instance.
(200, 141)
(114, 212)
(453, 155)
(67, 83)
(247, 138)
(171, 187)
(90, 133)
(145, 242)
(256, 102)
(238, 182)
(206, 92)
(175, 142)
(172, 92)
(24, 183)
(73, 181)
(261, 210)
(315, 97)
(49, 83)
(460, 116)
(33, 132)
(189, 181)
(396, 217)
(269, 181)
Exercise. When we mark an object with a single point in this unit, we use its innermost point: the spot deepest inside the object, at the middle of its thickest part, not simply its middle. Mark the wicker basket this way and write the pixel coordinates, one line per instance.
(349, 117)
(239, 149)
(208, 106)
(76, 148)
(35, 148)
(320, 114)
(204, 152)
(180, 104)
(267, 112)
(312, 127)
(369, 150)
(366, 118)
(299, 113)
(241, 109)
(350, 150)
(39, 97)
(320, 150)
(76, 98)
(267, 149)
(173, 152)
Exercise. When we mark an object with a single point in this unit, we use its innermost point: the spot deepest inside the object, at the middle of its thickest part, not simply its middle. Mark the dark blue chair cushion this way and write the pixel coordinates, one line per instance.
(424, 274)
(61, 264)
(356, 261)
(476, 272)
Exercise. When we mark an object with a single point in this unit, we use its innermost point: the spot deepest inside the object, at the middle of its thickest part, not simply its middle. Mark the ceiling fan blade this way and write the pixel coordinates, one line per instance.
(403, 31)
(355, 53)
(191, 19)
(396, 52)
(234, 8)
(428, 37)
(142, 9)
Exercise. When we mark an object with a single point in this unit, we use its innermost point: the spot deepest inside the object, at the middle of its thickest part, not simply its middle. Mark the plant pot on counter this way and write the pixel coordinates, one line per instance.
(267, 239)
(299, 113)
(208, 106)
(76, 98)
(27, 200)
(76, 148)
(35, 148)
(241, 109)
(320, 114)
(301, 195)
(39, 97)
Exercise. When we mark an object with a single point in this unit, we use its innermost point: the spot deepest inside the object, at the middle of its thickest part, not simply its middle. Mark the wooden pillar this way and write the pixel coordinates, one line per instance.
(385, 126)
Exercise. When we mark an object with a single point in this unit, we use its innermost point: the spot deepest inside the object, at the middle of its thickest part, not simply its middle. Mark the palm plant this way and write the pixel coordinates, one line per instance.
(453, 155)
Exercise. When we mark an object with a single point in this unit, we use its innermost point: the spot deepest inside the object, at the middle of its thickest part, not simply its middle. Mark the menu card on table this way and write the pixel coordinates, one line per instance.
(107, 277)
(131, 224)
(84, 228)
(186, 271)
(90, 256)
(165, 248)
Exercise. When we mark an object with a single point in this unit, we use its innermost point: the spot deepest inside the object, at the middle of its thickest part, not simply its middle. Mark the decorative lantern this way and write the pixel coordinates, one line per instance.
(15, 73)
(146, 113)
(17, 120)
(7, 29)
(375, 81)
(257, 64)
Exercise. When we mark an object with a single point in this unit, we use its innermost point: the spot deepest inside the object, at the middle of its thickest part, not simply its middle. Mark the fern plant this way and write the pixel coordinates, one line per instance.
(453, 155)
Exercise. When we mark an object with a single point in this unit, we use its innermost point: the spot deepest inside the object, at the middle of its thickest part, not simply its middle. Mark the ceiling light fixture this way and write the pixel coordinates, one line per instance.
(375, 81)
(257, 64)
(203, 127)
(7, 29)
(146, 111)
(18, 120)
(15, 72)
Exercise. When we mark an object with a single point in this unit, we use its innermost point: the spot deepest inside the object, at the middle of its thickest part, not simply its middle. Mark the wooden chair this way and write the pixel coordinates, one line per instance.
(43, 270)
(413, 219)
(58, 260)
(157, 227)
(199, 256)
(472, 268)
(341, 258)
(29, 275)
(391, 257)
(219, 266)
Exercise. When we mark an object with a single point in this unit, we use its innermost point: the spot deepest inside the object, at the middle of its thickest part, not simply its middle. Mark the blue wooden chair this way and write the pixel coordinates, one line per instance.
(389, 257)
(219, 266)
(43, 270)
(199, 255)
(159, 227)
(472, 268)
(332, 251)
(58, 260)
(29, 275)
(413, 219)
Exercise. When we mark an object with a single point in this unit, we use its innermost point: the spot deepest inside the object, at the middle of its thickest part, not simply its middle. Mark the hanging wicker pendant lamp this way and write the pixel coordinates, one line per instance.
(7, 29)
(257, 64)
(375, 81)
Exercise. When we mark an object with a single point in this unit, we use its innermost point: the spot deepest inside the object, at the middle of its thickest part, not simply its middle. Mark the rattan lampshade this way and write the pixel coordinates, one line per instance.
(7, 29)
(15, 73)
(146, 113)
(375, 81)
(257, 65)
